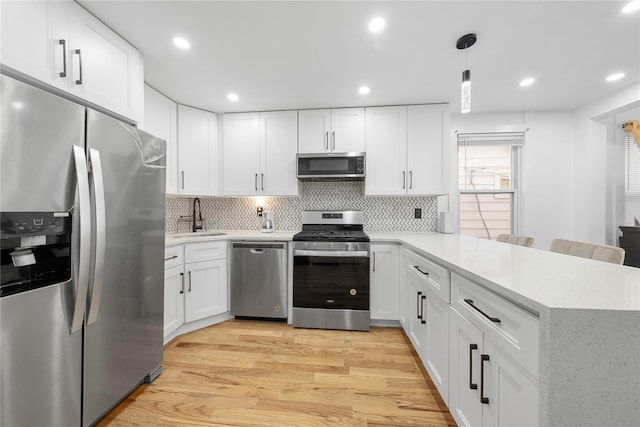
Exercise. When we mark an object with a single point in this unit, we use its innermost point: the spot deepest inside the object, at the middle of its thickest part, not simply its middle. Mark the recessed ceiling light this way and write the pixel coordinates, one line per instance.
(181, 43)
(527, 82)
(364, 90)
(232, 97)
(376, 24)
(614, 77)
(631, 7)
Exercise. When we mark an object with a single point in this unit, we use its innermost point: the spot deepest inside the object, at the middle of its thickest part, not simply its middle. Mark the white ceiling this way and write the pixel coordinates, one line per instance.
(313, 54)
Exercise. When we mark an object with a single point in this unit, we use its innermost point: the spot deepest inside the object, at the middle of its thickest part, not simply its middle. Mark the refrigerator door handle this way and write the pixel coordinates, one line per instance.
(84, 218)
(97, 188)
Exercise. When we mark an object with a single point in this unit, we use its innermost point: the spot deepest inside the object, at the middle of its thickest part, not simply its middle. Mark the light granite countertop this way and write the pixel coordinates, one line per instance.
(535, 279)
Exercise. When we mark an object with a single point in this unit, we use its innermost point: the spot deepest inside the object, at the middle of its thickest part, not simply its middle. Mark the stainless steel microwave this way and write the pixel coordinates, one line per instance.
(325, 166)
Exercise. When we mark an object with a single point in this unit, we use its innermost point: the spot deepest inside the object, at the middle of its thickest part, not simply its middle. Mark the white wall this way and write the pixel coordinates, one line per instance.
(547, 169)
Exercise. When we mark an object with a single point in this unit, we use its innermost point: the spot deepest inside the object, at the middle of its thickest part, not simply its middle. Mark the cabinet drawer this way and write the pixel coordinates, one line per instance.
(434, 277)
(513, 329)
(205, 251)
(173, 256)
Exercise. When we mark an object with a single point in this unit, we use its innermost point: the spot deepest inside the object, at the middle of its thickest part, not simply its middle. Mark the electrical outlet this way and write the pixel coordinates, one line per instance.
(259, 210)
(417, 213)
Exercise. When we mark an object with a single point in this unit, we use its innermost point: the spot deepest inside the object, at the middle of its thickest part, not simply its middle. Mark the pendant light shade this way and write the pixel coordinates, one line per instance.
(465, 42)
(465, 91)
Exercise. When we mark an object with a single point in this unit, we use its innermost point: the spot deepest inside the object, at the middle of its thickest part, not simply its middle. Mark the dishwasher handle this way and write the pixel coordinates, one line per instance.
(258, 247)
(257, 251)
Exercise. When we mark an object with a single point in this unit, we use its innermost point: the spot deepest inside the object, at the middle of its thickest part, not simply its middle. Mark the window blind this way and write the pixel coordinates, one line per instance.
(496, 138)
(631, 179)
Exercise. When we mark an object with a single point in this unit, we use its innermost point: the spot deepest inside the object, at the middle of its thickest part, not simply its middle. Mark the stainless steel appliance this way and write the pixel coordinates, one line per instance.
(82, 244)
(258, 279)
(331, 166)
(331, 271)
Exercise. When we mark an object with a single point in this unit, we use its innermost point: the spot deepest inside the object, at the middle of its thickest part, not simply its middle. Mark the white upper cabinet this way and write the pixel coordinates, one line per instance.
(427, 132)
(386, 161)
(161, 120)
(338, 130)
(63, 45)
(198, 152)
(241, 154)
(406, 150)
(278, 142)
(259, 151)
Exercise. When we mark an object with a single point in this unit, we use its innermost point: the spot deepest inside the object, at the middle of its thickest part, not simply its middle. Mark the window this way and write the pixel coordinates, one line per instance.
(487, 180)
(631, 180)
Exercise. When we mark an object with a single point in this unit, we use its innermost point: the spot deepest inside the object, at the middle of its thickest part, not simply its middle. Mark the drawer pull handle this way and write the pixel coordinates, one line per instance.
(493, 319)
(472, 385)
(483, 358)
(424, 297)
(419, 314)
(189, 281)
(417, 267)
(172, 257)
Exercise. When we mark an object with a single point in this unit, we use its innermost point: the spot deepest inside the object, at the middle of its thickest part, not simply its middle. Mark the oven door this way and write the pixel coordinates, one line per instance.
(331, 280)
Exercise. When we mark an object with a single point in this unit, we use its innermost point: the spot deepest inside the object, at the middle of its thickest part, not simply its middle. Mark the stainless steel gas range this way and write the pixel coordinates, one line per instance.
(331, 271)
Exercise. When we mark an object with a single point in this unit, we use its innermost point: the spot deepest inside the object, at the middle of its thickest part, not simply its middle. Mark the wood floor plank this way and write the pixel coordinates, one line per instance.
(257, 373)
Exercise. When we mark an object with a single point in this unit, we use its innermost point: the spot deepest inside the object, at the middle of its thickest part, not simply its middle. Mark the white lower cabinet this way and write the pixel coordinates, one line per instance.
(383, 300)
(173, 299)
(206, 289)
(195, 286)
(428, 317)
(493, 349)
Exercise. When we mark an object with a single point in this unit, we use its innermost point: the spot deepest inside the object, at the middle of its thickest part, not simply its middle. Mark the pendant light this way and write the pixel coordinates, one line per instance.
(465, 42)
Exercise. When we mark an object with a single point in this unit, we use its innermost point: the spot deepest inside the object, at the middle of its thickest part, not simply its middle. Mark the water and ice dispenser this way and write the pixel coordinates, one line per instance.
(35, 250)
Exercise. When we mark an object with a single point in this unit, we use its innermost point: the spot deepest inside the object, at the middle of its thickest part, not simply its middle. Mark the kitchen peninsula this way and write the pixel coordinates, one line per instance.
(583, 361)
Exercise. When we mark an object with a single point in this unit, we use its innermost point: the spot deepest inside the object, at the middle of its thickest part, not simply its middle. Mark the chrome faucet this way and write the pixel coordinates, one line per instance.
(195, 226)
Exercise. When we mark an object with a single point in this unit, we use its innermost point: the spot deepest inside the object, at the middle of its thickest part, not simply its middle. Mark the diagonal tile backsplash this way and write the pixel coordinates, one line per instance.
(393, 213)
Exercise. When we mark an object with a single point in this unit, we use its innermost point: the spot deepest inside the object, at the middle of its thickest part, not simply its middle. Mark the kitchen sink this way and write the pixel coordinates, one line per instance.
(199, 234)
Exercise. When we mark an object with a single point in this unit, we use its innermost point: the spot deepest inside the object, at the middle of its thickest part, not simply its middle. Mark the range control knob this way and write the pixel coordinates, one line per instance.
(353, 292)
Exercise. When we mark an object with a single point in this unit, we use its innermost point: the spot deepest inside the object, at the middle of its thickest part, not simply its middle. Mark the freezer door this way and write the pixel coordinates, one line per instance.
(36, 163)
(123, 333)
(41, 360)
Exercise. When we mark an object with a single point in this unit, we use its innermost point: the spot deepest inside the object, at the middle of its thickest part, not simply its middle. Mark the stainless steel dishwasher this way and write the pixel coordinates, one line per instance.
(258, 279)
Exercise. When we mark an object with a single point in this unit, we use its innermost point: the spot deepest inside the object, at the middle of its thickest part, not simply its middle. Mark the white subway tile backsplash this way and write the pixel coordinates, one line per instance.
(393, 213)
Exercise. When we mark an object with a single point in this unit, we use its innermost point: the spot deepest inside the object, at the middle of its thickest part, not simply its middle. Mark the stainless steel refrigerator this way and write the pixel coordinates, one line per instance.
(82, 242)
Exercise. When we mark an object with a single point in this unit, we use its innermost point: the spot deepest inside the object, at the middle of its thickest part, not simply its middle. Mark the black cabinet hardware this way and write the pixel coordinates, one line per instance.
(418, 305)
(424, 297)
(493, 319)
(417, 267)
(182, 283)
(472, 385)
(483, 358)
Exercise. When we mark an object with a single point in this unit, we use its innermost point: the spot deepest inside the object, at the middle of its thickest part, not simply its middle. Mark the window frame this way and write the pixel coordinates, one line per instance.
(495, 139)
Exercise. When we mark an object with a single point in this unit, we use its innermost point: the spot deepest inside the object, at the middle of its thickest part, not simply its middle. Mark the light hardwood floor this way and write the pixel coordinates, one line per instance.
(256, 373)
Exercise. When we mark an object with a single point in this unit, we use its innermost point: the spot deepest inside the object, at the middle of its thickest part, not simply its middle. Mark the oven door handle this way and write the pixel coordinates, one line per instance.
(349, 254)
